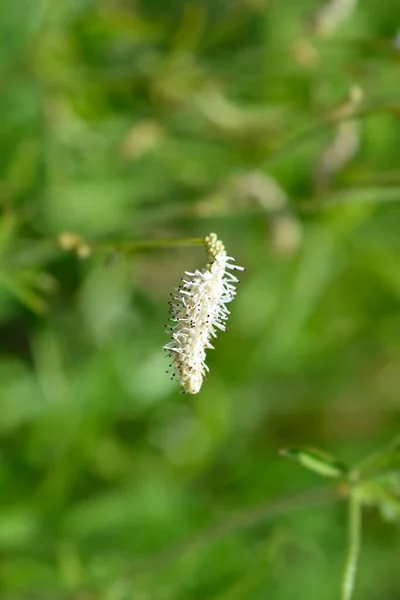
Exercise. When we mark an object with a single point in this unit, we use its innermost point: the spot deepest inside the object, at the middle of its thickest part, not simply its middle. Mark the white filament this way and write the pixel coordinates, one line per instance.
(198, 311)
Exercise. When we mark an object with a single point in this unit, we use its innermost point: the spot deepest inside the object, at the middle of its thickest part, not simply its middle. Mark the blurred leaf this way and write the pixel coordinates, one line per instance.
(382, 462)
(384, 495)
(317, 461)
(23, 291)
(18, 527)
(23, 169)
(7, 229)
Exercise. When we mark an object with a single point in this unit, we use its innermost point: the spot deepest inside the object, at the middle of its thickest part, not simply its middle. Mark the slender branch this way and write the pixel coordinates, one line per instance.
(391, 106)
(237, 522)
(354, 543)
(73, 242)
(144, 244)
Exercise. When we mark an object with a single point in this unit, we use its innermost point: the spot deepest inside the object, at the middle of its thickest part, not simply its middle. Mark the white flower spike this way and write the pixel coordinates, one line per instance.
(197, 311)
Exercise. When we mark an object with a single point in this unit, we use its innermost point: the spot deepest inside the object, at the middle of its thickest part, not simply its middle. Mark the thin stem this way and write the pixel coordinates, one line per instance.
(237, 522)
(72, 242)
(144, 244)
(353, 552)
(326, 123)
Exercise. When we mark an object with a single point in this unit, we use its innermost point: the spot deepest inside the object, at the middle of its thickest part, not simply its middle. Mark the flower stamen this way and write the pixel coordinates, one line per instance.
(198, 311)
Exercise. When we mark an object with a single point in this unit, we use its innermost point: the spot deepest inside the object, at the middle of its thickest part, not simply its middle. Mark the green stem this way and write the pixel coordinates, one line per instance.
(144, 244)
(326, 123)
(236, 522)
(73, 242)
(353, 547)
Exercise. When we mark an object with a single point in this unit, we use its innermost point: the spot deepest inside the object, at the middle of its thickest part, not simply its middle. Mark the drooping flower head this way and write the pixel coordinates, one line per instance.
(198, 311)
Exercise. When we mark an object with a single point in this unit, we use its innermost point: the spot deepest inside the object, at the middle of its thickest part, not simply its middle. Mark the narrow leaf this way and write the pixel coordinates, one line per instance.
(317, 461)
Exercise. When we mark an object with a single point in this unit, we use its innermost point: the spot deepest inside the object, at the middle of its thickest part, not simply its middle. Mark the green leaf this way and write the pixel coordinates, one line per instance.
(23, 292)
(386, 460)
(7, 229)
(384, 495)
(317, 461)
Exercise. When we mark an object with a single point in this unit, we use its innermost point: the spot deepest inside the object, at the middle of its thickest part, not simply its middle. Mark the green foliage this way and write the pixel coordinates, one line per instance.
(275, 124)
(321, 463)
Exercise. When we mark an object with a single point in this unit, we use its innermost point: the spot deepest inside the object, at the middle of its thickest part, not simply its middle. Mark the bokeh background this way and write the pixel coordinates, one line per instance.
(277, 125)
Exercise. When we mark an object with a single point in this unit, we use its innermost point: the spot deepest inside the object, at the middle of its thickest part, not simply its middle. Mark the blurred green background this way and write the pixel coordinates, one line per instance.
(277, 125)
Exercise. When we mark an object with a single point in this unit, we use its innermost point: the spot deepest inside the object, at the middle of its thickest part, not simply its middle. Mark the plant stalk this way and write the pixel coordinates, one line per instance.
(144, 244)
(354, 543)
